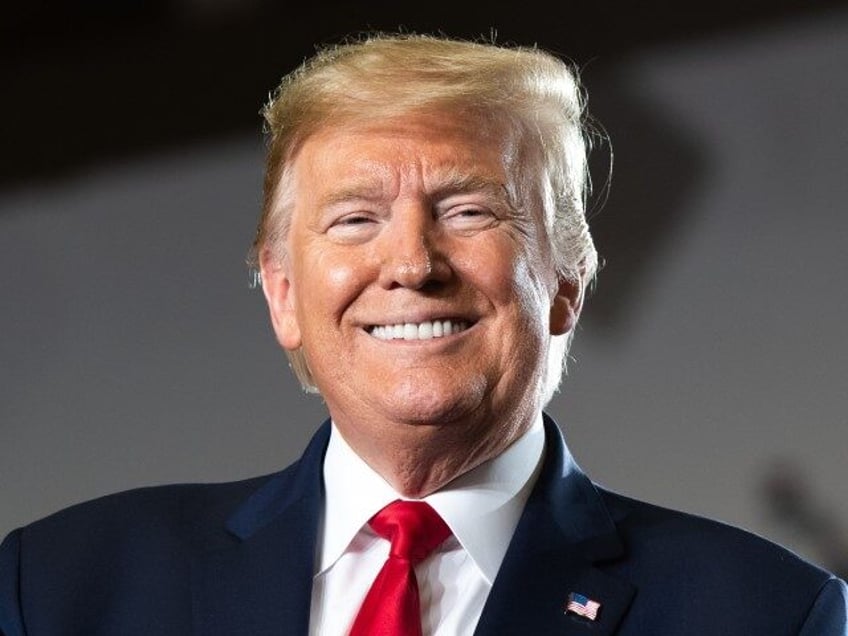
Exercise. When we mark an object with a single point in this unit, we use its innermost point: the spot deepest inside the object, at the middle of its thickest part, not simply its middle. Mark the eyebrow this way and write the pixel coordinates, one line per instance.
(455, 182)
(442, 185)
(353, 192)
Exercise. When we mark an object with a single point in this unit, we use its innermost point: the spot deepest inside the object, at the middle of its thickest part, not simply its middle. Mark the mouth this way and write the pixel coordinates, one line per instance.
(426, 330)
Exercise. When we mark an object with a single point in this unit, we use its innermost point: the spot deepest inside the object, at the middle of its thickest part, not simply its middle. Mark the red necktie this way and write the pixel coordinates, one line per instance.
(391, 607)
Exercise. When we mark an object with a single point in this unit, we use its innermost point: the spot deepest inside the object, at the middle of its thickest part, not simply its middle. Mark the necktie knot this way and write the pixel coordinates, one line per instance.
(413, 528)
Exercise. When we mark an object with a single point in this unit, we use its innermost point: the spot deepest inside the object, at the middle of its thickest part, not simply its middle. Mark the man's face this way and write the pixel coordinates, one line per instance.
(423, 298)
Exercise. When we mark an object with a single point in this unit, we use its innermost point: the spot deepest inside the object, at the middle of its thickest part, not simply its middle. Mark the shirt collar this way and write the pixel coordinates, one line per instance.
(481, 507)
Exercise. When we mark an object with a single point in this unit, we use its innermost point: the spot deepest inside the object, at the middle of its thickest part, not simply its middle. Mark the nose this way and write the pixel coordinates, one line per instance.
(411, 255)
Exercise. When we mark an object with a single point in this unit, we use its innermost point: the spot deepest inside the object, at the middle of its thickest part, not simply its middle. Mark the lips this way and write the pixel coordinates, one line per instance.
(426, 330)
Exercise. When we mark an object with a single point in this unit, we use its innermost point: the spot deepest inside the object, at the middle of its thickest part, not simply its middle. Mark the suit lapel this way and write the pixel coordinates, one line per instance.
(256, 578)
(564, 536)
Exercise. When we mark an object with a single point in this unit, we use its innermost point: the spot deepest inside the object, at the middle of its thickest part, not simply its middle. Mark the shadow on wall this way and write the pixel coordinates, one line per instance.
(656, 166)
(797, 508)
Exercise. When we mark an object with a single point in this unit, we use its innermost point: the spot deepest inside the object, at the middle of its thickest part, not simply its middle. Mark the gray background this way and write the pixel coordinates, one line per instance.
(710, 366)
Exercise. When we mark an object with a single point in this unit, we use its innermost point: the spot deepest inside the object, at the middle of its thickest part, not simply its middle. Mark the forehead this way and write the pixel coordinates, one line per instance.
(428, 148)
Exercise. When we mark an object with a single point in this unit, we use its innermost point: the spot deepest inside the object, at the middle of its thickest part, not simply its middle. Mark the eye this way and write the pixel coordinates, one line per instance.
(469, 217)
(353, 227)
(355, 219)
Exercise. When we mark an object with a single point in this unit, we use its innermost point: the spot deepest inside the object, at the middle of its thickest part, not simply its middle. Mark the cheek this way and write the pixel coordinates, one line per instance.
(511, 275)
(536, 306)
(332, 280)
(340, 276)
(526, 301)
(487, 261)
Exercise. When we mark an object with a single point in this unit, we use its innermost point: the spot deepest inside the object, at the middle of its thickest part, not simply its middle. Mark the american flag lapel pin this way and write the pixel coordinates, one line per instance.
(582, 606)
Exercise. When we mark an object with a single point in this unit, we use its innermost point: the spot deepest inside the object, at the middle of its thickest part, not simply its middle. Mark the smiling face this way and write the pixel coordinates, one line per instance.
(422, 294)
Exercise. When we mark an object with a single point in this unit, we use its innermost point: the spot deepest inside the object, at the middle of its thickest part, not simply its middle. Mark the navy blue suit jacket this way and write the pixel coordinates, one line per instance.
(237, 559)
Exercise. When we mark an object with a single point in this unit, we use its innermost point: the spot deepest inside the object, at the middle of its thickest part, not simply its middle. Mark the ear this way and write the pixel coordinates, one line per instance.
(279, 294)
(566, 306)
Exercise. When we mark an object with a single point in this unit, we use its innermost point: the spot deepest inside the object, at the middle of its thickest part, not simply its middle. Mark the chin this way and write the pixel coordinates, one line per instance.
(419, 402)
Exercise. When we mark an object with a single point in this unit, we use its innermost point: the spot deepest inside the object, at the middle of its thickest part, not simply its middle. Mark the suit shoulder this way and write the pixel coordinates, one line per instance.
(140, 542)
(718, 577)
(145, 515)
(712, 548)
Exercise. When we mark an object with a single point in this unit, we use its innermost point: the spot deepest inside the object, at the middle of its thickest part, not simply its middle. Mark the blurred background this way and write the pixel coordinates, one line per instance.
(710, 369)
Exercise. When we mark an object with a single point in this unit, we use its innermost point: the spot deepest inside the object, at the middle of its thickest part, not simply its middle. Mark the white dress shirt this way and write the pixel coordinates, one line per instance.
(481, 507)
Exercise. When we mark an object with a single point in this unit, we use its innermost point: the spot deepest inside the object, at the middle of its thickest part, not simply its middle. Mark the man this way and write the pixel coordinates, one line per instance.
(424, 254)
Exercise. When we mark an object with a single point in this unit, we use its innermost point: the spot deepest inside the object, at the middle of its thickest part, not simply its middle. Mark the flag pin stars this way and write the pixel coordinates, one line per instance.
(582, 606)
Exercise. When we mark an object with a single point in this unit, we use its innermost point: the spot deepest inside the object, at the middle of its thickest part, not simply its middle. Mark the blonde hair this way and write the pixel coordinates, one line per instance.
(533, 93)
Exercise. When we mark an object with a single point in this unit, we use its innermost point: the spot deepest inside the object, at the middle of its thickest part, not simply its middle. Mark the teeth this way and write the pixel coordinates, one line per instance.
(418, 331)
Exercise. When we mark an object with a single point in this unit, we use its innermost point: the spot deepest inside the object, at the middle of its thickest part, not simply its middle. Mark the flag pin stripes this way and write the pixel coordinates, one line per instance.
(582, 606)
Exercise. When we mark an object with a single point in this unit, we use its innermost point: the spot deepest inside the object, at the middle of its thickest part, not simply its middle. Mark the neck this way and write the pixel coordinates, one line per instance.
(420, 459)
